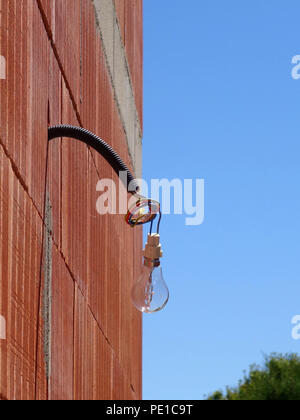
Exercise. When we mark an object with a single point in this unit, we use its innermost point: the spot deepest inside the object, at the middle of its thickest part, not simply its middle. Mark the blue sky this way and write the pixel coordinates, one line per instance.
(220, 104)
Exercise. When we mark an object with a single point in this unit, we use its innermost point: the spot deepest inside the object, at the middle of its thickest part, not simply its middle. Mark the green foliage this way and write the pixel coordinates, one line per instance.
(278, 380)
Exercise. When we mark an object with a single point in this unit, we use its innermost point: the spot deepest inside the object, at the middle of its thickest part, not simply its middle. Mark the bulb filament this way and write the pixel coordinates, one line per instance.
(149, 292)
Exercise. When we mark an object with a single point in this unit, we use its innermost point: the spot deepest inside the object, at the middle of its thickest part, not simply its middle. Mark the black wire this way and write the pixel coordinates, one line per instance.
(151, 226)
(159, 220)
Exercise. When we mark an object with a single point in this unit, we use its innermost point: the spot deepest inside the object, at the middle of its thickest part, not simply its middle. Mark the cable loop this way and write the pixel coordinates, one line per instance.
(137, 215)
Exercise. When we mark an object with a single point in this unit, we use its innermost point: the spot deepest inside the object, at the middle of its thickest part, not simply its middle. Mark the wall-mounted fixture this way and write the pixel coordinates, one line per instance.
(150, 294)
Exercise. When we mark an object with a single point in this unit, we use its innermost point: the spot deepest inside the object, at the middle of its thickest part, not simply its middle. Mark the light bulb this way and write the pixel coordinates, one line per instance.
(151, 294)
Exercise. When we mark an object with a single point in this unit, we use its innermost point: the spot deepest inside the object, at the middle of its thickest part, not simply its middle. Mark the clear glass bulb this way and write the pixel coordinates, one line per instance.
(150, 294)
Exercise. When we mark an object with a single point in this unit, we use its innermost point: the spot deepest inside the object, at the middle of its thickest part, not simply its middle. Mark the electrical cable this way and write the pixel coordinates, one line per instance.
(136, 215)
(100, 146)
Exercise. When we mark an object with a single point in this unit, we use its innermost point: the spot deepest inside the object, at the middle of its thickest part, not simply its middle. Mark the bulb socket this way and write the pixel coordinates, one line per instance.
(153, 249)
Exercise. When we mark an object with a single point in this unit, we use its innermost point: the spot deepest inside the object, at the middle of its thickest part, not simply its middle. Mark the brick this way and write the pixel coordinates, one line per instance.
(66, 32)
(24, 94)
(93, 356)
(54, 175)
(22, 373)
(62, 337)
(75, 212)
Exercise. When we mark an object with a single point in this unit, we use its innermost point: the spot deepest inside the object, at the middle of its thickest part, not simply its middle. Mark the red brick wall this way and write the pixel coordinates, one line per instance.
(56, 73)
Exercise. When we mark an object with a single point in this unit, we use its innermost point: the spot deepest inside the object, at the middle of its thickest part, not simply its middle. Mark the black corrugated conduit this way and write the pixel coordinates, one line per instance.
(100, 146)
